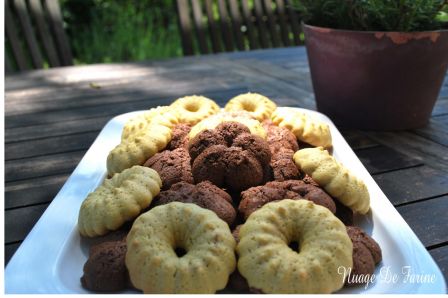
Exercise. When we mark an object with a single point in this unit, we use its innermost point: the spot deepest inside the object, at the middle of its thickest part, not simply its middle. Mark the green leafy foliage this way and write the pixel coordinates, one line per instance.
(374, 15)
(121, 30)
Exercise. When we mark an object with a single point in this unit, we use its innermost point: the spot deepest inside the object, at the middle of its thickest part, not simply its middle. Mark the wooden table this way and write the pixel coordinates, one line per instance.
(53, 116)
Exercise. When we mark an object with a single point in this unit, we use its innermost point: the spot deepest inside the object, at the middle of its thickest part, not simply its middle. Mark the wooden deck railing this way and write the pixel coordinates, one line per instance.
(212, 26)
(35, 36)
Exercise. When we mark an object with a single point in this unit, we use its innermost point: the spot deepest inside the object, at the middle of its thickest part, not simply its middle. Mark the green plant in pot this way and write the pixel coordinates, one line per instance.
(376, 64)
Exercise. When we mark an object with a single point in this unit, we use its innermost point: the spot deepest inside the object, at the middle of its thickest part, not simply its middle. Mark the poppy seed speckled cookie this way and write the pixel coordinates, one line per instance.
(163, 115)
(334, 177)
(152, 261)
(118, 200)
(304, 127)
(256, 104)
(136, 150)
(194, 108)
(270, 265)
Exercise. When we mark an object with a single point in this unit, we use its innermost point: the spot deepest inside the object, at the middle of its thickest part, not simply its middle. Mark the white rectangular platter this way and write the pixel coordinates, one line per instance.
(51, 258)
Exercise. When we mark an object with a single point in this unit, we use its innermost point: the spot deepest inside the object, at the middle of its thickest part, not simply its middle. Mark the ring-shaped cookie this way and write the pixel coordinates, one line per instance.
(270, 265)
(256, 104)
(151, 258)
(192, 109)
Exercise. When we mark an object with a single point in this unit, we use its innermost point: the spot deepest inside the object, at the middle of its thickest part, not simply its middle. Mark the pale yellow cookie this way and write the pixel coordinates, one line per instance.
(211, 122)
(334, 177)
(304, 127)
(192, 109)
(235, 114)
(154, 266)
(164, 115)
(258, 105)
(137, 149)
(270, 265)
(118, 200)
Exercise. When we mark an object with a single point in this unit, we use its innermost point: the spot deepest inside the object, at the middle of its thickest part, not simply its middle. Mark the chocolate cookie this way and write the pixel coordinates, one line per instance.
(206, 190)
(230, 157)
(283, 153)
(356, 234)
(366, 254)
(179, 137)
(105, 270)
(283, 166)
(204, 194)
(282, 144)
(204, 140)
(172, 166)
(243, 170)
(279, 138)
(231, 130)
(255, 197)
(237, 282)
(211, 165)
(255, 145)
(308, 180)
(307, 191)
(113, 236)
(344, 213)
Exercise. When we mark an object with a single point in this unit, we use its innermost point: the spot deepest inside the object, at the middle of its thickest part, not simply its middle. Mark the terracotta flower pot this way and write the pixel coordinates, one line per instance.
(376, 80)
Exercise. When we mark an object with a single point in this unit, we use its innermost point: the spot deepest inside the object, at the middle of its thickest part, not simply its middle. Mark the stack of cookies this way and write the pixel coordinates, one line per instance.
(246, 199)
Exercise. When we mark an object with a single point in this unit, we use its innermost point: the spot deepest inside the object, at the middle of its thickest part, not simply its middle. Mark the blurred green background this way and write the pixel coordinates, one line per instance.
(102, 31)
(121, 30)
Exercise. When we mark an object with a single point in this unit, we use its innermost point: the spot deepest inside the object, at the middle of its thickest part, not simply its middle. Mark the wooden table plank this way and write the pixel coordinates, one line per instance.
(278, 56)
(62, 115)
(17, 230)
(433, 154)
(444, 89)
(103, 73)
(299, 76)
(380, 159)
(51, 145)
(42, 166)
(123, 106)
(441, 107)
(81, 95)
(440, 255)
(428, 220)
(357, 140)
(436, 130)
(55, 129)
(33, 191)
(10, 249)
(413, 184)
(282, 92)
